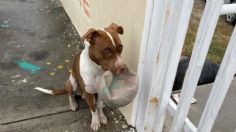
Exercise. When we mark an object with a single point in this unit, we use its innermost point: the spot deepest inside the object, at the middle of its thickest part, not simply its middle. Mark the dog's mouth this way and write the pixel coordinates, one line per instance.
(115, 70)
(119, 71)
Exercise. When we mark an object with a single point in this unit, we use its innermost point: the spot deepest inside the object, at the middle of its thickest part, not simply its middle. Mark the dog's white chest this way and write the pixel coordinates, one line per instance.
(89, 71)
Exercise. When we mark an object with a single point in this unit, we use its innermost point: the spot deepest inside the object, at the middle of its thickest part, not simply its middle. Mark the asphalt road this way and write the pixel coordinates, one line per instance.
(37, 44)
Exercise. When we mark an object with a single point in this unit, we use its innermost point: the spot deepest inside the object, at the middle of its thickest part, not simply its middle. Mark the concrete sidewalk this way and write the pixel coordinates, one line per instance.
(226, 119)
(40, 33)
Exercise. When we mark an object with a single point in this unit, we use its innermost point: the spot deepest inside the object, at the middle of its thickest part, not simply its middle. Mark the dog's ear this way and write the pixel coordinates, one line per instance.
(90, 36)
(117, 28)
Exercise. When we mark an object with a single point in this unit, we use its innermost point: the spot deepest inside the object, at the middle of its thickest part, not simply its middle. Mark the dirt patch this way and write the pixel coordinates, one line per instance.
(38, 55)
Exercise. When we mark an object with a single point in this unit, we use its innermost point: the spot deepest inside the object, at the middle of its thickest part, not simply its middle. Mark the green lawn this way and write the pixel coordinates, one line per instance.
(220, 39)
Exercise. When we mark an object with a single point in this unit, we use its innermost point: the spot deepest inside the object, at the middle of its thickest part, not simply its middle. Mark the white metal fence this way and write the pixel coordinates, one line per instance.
(165, 28)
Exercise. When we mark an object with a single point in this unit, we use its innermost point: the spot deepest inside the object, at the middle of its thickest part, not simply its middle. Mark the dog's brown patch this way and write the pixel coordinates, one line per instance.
(102, 51)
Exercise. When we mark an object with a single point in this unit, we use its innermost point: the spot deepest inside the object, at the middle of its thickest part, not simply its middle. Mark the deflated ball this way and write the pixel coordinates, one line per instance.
(117, 90)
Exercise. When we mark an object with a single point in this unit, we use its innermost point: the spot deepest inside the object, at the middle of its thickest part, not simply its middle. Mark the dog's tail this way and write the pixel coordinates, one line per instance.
(51, 91)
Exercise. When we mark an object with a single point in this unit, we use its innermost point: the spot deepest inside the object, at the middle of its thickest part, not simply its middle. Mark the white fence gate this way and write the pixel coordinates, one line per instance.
(165, 28)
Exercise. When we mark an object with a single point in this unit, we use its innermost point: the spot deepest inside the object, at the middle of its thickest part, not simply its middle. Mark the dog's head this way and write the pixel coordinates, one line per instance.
(106, 47)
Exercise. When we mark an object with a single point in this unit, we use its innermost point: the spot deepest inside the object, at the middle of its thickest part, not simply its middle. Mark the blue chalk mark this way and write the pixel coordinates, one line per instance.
(27, 66)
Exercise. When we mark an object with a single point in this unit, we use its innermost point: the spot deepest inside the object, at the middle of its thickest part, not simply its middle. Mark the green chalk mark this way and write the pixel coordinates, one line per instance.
(27, 66)
(4, 25)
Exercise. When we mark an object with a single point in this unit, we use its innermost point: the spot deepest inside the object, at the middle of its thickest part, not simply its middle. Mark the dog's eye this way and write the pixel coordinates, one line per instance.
(120, 47)
(107, 51)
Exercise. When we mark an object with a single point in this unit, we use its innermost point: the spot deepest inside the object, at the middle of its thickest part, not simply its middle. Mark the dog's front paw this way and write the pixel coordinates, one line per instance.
(95, 125)
(73, 106)
(103, 119)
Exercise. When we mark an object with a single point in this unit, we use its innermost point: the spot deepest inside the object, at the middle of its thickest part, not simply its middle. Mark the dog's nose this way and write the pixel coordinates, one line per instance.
(122, 67)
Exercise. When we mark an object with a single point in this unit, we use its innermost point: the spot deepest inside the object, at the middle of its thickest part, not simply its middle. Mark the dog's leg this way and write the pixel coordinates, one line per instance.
(90, 99)
(71, 89)
(102, 117)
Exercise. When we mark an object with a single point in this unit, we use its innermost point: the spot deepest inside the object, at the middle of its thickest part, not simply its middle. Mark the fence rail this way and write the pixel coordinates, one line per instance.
(165, 28)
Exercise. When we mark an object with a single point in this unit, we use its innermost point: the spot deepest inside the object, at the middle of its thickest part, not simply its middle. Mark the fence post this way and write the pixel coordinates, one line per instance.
(220, 87)
(201, 46)
(139, 102)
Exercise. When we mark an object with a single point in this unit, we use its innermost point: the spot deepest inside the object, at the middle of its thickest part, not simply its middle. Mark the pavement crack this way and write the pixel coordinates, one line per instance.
(40, 116)
(35, 117)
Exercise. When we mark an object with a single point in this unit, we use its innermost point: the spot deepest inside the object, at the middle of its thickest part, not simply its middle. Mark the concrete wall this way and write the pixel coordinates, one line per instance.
(85, 14)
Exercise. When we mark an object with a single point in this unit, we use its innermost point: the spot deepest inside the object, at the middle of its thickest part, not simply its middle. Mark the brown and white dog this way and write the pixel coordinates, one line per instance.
(102, 52)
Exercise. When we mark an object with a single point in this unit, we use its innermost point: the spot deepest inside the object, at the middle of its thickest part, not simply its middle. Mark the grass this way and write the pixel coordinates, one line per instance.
(220, 39)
